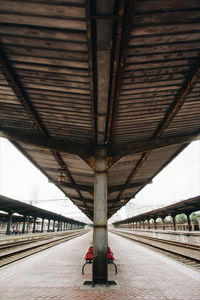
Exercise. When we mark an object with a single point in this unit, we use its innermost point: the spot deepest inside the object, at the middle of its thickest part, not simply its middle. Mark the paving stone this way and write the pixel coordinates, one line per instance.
(56, 274)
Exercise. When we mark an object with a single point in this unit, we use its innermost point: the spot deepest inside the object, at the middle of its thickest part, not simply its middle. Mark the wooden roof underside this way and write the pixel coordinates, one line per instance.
(76, 75)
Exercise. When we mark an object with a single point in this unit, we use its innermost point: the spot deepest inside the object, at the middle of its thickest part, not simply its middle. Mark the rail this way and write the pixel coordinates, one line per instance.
(187, 250)
(13, 251)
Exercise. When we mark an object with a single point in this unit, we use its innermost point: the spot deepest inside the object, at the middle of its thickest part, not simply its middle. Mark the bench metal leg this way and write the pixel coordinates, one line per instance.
(83, 273)
(114, 266)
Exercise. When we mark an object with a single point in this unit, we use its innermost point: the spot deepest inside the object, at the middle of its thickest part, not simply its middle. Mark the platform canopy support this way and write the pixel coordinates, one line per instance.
(100, 233)
(9, 223)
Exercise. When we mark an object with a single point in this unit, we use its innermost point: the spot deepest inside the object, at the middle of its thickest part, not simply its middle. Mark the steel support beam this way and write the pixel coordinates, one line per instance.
(47, 143)
(100, 233)
(159, 143)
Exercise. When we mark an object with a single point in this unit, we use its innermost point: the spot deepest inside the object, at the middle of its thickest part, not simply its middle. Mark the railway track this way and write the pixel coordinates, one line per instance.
(14, 251)
(188, 255)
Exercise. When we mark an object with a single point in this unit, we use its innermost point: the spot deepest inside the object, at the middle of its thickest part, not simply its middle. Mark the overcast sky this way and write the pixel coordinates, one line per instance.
(20, 180)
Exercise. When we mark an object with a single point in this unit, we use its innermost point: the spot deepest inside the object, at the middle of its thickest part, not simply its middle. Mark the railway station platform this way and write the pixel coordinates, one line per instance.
(56, 274)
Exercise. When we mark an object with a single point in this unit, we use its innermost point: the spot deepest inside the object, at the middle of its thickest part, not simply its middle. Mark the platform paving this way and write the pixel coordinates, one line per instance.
(56, 274)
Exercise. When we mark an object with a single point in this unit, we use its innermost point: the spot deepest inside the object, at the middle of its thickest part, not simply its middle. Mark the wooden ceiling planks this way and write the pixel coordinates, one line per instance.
(160, 61)
(112, 73)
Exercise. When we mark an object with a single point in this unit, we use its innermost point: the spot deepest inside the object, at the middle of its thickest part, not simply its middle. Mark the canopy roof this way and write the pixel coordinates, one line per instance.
(77, 75)
(187, 206)
(10, 205)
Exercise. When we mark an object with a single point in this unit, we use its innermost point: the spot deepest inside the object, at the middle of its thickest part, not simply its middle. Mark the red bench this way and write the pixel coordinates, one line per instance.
(89, 258)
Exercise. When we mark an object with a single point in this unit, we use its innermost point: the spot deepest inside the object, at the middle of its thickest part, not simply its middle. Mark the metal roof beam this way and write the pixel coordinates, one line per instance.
(120, 187)
(170, 115)
(80, 187)
(13, 81)
(180, 100)
(46, 142)
(15, 85)
(111, 189)
(122, 37)
(63, 165)
(87, 200)
(143, 146)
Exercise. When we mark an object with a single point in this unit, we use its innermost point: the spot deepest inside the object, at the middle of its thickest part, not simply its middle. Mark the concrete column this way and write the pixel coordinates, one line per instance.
(34, 224)
(139, 224)
(155, 226)
(198, 219)
(163, 221)
(54, 222)
(27, 225)
(24, 224)
(189, 221)
(58, 228)
(17, 226)
(149, 225)
(42, 227)
(100, 231)
(143, 224)
(174, 222)
(9, 223)
(48, 226)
